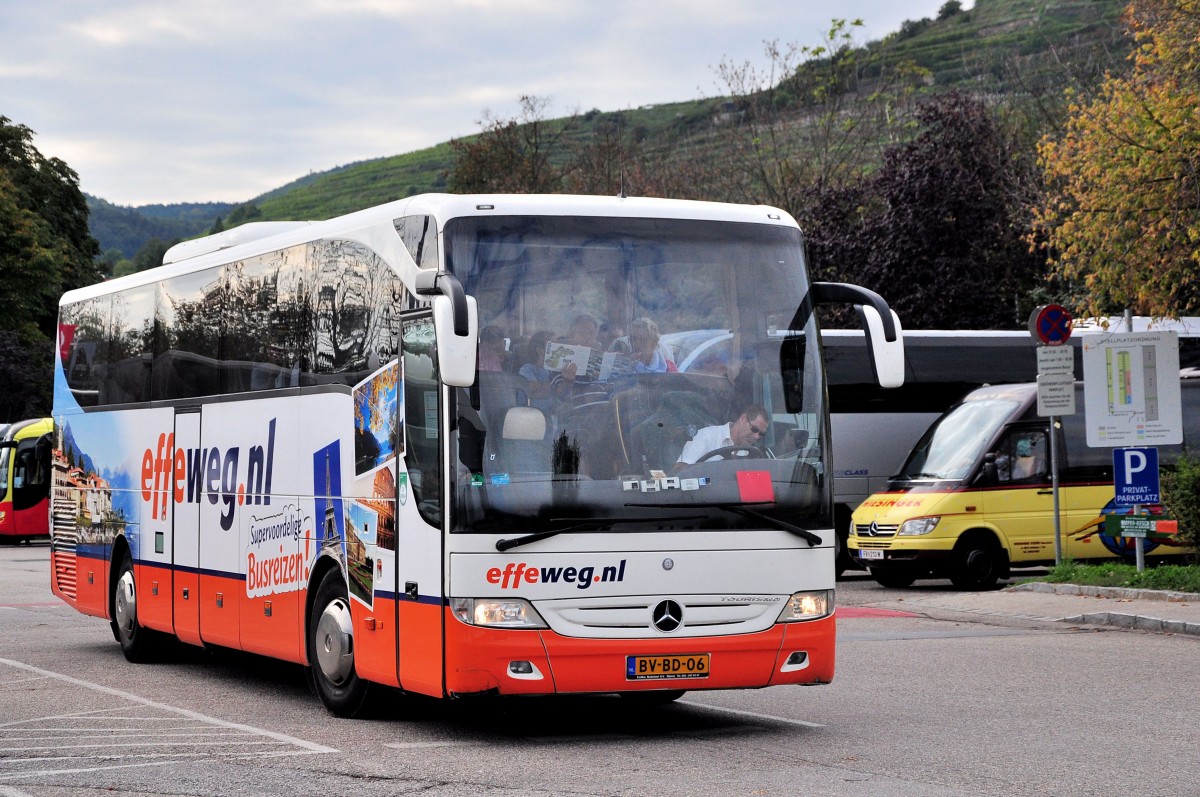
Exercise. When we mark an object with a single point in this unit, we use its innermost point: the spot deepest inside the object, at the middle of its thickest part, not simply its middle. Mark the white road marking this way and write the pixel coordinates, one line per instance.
(195, 715)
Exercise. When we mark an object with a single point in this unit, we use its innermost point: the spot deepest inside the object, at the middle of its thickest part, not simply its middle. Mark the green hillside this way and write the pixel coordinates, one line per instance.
(1024, 49)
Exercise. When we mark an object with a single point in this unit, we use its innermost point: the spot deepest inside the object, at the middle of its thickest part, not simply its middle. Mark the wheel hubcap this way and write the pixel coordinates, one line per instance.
(125, 605)
(335, 642)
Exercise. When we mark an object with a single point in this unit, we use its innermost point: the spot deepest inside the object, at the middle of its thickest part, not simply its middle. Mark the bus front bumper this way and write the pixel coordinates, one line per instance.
(544, 662)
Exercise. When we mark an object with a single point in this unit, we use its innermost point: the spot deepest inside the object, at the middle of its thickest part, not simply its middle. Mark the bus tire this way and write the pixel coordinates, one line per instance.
(893, 577)
(977, 562)
(138, 643)
(331, 649)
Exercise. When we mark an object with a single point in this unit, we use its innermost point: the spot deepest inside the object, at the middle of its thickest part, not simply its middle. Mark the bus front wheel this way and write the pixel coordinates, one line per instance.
(138, 643)
(331, 650)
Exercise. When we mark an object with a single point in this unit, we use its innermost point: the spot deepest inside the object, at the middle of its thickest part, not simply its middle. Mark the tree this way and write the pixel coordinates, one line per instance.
(810, 122)
(512, 155)
(1120, 219)
(43, 193)
(45, 249)
(939, 229)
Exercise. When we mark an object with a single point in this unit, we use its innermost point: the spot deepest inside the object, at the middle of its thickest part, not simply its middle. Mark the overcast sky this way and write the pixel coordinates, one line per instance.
(160, 101)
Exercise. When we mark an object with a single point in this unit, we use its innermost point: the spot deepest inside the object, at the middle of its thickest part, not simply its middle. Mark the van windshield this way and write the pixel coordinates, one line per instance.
(954, 443)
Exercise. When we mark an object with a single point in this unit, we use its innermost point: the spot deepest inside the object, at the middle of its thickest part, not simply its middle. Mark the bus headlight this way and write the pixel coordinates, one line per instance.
(496, 612)
(811, 605)
(917, 526)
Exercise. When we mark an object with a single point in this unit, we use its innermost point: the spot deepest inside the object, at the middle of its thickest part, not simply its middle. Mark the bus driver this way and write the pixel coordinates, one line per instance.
(747, 430)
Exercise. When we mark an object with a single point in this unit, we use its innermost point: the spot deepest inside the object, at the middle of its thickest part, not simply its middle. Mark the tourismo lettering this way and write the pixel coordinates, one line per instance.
(516, 573)
(187, 474)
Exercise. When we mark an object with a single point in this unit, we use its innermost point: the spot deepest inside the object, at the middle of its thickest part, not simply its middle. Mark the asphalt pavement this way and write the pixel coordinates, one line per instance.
(1039, 602)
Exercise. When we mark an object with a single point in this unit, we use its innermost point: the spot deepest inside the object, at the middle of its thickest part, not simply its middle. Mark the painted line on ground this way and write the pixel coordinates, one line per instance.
(280, 737)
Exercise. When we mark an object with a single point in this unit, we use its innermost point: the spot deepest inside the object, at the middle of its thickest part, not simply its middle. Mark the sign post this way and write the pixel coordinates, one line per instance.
(1050, 326)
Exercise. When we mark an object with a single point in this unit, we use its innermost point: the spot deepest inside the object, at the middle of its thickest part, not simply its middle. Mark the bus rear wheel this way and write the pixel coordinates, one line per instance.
(331, 650)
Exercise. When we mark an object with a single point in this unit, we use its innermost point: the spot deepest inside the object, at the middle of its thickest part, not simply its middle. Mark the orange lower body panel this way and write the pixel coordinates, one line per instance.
(478, 660)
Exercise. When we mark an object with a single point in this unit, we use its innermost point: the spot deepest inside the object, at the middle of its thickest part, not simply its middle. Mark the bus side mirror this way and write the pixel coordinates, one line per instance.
(455, 326)
(885, 338)
(456, 353)
(887, 356)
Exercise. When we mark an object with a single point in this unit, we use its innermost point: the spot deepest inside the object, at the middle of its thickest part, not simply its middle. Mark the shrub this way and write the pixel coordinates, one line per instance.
(1181, 496)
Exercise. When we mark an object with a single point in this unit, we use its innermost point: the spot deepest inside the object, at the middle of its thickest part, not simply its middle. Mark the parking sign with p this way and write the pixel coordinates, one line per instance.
(1135, 476)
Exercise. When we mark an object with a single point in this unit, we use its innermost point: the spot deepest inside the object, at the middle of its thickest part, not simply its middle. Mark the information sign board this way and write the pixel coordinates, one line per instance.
(1055, 394)
(1131, 389)
(1139, 526)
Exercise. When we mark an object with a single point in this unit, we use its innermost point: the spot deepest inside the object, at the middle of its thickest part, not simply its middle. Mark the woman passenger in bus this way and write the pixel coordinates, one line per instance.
(648, 355)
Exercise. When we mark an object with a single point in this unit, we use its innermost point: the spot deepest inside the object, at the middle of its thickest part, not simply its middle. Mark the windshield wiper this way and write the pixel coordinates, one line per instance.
(579, 524)
(746, 511)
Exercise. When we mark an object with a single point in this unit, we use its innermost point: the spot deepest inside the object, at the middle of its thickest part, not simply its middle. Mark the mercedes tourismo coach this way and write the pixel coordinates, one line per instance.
(428, 445)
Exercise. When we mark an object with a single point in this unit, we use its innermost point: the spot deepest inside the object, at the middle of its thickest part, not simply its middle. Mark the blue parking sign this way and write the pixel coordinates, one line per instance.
(1135, 476)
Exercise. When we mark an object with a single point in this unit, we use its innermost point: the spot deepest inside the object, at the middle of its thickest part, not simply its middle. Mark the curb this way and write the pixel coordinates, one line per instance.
(1105, 592)
(1137, 622)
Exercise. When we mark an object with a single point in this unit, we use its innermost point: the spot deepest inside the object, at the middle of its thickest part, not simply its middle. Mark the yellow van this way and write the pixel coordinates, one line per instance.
(975, 497)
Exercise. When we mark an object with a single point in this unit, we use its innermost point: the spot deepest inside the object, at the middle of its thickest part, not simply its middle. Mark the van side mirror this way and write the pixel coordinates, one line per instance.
(990, 474)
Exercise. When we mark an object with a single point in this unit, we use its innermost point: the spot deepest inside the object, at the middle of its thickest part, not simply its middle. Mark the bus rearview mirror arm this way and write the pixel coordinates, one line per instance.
(455, 324)
(845, 293)
(884, 334)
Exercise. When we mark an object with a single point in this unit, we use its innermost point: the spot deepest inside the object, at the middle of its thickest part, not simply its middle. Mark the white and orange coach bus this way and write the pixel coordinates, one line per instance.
(427, 445)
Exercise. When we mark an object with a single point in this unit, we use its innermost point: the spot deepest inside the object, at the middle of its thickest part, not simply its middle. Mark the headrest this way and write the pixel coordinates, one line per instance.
(524, 423)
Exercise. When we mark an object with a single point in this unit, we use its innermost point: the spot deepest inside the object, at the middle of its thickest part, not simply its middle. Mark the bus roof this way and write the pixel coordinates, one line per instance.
(227, 246)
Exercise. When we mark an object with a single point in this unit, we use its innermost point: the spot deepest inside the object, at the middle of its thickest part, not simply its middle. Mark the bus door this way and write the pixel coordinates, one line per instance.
(1020, 502)
(420, 515)
(186, 533)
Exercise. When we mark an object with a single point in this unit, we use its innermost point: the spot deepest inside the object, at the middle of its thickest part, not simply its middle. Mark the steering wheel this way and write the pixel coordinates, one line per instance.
(734, 452)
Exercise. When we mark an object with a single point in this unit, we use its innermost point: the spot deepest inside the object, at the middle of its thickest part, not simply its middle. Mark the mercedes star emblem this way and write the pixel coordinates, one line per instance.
(668, 615)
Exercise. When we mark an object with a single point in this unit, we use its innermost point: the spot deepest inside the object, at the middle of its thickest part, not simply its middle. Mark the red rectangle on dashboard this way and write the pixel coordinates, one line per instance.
(755, 485)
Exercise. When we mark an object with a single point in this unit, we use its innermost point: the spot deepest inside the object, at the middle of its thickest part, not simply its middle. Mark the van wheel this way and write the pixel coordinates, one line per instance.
(893, 577)
(138, 643)
(977, 563)
(331, 650)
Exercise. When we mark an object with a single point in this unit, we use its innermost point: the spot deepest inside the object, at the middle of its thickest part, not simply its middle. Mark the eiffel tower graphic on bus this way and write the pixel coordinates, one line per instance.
(330, 537)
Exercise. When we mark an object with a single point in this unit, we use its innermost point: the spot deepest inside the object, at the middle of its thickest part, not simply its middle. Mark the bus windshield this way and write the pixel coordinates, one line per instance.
(950, 448)
(580, 414)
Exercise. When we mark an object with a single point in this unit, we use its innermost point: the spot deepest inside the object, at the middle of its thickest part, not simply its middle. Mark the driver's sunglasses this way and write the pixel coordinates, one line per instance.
(757, 431)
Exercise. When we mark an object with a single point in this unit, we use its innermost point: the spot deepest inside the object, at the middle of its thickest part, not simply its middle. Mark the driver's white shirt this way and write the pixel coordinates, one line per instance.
(710, 438)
